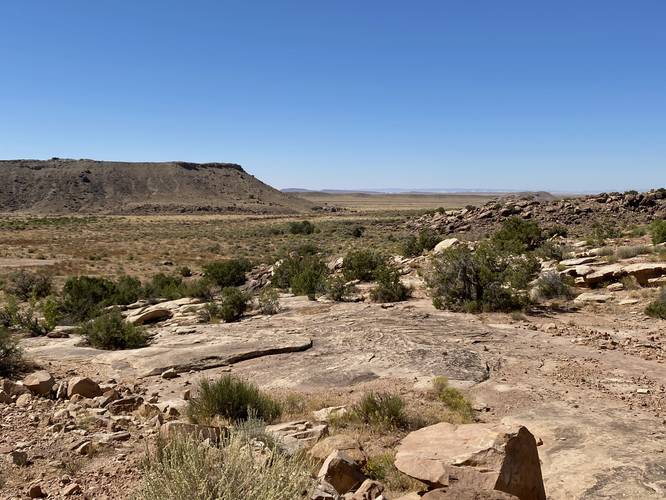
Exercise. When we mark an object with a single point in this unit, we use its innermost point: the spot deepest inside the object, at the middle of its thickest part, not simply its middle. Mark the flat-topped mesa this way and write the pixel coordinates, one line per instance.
(67, 186)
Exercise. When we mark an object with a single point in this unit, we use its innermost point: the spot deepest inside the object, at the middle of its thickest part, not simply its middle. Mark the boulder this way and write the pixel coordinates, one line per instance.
(298, 434)
(604, 273)
(4, 397)
(445, 245)
(124, 405)
(341, 472)
(339, 442)
(645, 271)
(592, 297)
(12, 388)
(657, 281)
(615, 287)
(177, 428)
(84, 387)
(39, 383)
(153, 314)
(474, 456)
(325, 414)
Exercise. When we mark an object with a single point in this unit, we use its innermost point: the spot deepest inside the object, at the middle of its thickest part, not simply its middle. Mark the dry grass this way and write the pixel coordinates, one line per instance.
(363, 202)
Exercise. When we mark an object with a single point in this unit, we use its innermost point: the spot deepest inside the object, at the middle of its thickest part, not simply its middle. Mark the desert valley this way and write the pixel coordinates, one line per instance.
(181, 330)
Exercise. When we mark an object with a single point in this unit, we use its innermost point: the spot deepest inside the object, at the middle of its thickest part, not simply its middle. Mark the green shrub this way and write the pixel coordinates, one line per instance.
(110, 331)
(425, 241)
(269, 301)
(127, 291)
(454, 399)
(233, 304)
(549, 250)
(25, 285)
(361, 265)
(185, 272)
(657, 309)
(84, 296)
(9, 312)
(658, 231)
(11, 356)
(233, 399)
(199, 288)
(227, 273)
(186, 468)
(518, 235)
(357, 231)
(382, 468)
(304, 275)
(487, 279)
(381, 410)
(389, 287)
(164, 286)
(338, 289)
(303, 227)
(552, 285)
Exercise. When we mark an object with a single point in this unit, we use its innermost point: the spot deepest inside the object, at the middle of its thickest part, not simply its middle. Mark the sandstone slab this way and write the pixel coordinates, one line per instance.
(39, 382)
(481, 456)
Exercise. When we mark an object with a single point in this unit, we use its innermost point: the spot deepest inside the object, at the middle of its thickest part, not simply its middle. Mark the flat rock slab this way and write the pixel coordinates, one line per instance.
(212, 346)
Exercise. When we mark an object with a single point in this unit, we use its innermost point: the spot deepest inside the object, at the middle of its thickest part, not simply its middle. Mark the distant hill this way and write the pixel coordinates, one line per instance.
(61, 186)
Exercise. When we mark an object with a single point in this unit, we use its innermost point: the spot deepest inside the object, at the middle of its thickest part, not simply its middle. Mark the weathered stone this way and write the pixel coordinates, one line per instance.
(84, 387)
(467, 494)
(19, 458)
(578, 261)
(169, 374)
(645, 271)
(23, 400)
(324, 491)
(477, 456)
(615, 287)
(341, 472)
(592, 297)
(71, 489)
(298, 434)
(124, 405)
(445, 245)
(176, 428)
(85, 448)
(35, 491)
(369, 490)
(339, 442)
(40, 382)
(12, 388)
(4, 397)
(325, 414)
(148, 315)
(604, 273)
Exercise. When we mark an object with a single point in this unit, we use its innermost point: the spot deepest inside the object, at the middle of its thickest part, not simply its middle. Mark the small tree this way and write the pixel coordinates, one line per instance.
(389, 287)
(233, 304)
(110, 331)
(362, 264)
(25, 285)
(518, 235)
(227, 272)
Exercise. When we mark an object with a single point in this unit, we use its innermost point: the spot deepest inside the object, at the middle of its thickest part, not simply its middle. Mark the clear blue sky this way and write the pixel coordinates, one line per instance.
(514, 94)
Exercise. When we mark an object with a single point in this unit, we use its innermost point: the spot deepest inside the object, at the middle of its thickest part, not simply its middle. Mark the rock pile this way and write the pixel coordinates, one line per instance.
(613, 208)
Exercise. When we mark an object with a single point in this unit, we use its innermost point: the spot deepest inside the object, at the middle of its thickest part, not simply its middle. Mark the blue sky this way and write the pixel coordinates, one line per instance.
(563, 96)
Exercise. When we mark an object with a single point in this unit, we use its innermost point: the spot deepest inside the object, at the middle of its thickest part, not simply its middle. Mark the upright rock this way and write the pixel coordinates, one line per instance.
(483, 457)
(84, 387)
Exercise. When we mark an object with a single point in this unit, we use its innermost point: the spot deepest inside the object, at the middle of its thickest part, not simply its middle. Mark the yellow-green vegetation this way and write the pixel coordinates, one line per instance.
(232, 399)
(381, 467)
(455, 401)
(657, 308)
(185, 468)
(381, 411)
(658, 231)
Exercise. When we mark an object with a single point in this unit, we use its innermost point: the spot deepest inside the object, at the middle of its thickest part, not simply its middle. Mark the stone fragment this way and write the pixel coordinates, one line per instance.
(445, 245)
(169, 374)
(369, 490)
(40, 382)
(592, 297)
(124, 405)
(297, 434)
(325, 414)
(5, 398)
(615, 287)
(341, 472)
(339, 442)
(474, 456)
(84, 387)
(71, 489)
(23, 400)
(35, 491)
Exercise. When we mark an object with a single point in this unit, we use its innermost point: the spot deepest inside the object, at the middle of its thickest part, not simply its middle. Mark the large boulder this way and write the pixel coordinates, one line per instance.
(149, 315)
(84, 387)
(645, 271)
(483, 457)
(604, 273)
(40, 382)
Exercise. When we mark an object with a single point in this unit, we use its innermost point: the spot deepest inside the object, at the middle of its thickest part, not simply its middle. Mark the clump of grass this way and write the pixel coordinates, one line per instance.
(25, 285)
(110, 331)
(381, 410)
(454, 400)
(658, 231)
(186, 468)
(657, 309)
(381, 467)
(303, 227)
(11, 355)
(233, 399)
(632, 251)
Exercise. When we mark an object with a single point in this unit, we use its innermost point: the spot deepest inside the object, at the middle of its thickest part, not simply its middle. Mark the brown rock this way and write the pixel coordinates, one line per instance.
(341, 472)
(39, 383)
(369, 490)
(645, 271)
(19, 458)
(339, 442)
(84, 387)
(35, 491)
(4, 397)
(23, 400)
(298, 434)
(474, 456)
(71, 489)
(124, 405)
